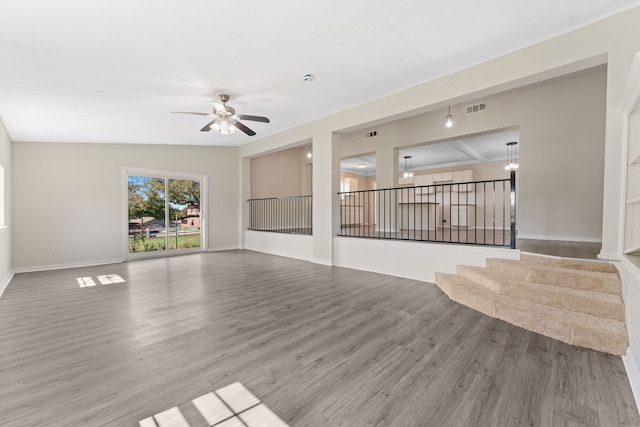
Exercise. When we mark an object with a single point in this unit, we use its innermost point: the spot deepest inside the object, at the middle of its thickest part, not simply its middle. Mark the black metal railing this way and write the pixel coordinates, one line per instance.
(475, 213)
(291, 215)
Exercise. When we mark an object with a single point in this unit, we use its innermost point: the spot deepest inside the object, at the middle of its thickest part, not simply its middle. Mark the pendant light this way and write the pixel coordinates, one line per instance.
(512, 156)
(449, 122)
(408, 173)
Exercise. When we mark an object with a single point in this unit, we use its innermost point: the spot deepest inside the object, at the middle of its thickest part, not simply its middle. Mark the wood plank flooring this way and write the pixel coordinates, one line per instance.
(320, 346)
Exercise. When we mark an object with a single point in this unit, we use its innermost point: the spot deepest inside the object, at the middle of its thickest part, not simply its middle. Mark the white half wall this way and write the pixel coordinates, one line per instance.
(411, 260)
(290, 245)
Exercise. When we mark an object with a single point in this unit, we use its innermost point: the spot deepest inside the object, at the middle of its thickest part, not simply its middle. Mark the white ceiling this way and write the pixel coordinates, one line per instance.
(464, 151)
(112, 71)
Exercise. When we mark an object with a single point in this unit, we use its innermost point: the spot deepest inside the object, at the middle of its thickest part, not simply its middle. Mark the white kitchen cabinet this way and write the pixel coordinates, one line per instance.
(463, 176)
(406, 181)
(463, 216)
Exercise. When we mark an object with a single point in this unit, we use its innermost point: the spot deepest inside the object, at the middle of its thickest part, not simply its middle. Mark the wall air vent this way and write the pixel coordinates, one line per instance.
(371, 134)
(476, 108)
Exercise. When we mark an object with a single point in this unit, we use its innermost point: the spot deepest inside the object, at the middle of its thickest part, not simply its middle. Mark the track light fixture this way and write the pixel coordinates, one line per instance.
(449, 122)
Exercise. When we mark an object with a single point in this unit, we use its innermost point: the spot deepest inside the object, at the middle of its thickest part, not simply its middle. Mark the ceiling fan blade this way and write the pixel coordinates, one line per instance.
(254, 118)
(189, 112)
(244, 129)
(207, 128)
(219, 107)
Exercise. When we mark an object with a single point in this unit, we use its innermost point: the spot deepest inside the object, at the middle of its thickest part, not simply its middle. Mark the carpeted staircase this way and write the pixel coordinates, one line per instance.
(575, 301)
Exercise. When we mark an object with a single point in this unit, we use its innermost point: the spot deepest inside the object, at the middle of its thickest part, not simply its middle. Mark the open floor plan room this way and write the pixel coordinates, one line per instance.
(318, 345)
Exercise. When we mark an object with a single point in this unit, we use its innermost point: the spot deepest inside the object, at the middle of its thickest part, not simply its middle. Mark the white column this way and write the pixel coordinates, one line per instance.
(326, 184)
(386, 177)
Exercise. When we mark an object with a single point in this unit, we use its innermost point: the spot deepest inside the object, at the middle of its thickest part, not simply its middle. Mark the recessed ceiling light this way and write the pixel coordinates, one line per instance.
(361, 165)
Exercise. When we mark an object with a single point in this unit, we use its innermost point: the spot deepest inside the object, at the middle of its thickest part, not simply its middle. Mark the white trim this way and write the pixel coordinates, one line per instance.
(6, 281)
(609, 256)
(70, 265)
(631, 94)
(322, 262)
(630, 98)
(561, 238)
(633, 374)
(630, 276)
(223, 248)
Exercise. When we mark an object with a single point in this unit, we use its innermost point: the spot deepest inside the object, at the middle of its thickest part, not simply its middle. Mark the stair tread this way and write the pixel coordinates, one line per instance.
(542, 286)
(578, 316)
(595, 303)
(574, 263)
(573, 327)
(564, 269)
(560, 276)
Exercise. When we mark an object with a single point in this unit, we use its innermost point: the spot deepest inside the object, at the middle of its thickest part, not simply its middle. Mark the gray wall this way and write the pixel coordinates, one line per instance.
(562, 140)
(71, 197)
(280, 174)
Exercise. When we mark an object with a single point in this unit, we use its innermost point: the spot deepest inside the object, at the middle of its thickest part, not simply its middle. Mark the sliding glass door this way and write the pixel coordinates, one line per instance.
(164, 213)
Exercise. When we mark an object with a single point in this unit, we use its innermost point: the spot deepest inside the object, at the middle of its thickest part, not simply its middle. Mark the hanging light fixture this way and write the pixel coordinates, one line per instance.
(449, 122)
(309, 153)
(512, 156)
(408, 173)
(224, 127)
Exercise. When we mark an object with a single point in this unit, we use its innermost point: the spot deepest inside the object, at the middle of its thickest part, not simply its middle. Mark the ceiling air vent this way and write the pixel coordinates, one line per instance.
(476, 108)
(371, 134)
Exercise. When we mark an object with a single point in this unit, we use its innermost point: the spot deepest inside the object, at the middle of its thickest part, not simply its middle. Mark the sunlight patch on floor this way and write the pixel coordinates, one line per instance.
(229, 406)
(104, 279)
(85, 282)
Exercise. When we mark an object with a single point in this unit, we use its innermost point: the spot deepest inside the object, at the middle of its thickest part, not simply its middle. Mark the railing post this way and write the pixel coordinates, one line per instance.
(513, 209)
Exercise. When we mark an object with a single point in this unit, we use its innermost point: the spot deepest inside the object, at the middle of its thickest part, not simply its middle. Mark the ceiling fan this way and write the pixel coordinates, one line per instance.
(226, 121)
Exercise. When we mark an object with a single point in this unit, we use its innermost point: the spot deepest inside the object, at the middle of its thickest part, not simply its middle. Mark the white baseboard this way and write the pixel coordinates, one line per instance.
(561, 238)
(70, 265)
(322, 262)
(223, 248)
(5, 282)
(633, 373)
(609, 256)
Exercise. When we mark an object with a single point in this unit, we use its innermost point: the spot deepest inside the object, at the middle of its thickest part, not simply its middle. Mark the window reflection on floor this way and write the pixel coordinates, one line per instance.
(104, 279)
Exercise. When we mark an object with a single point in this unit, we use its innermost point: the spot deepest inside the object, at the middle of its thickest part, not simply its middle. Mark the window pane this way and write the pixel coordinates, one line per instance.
(146, 206)
(184, 212)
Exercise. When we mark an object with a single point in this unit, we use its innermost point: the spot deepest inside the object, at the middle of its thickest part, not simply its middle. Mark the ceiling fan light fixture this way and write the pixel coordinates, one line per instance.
(226, 121)
(224, 126)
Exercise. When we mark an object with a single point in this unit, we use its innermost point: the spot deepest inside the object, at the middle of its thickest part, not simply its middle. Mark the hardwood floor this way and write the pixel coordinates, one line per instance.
(320, 346)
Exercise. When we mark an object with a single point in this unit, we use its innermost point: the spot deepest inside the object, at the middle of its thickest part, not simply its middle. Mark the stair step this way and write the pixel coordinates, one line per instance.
(598, 304)
(597, 281)
(573, 263)
(571, 327)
